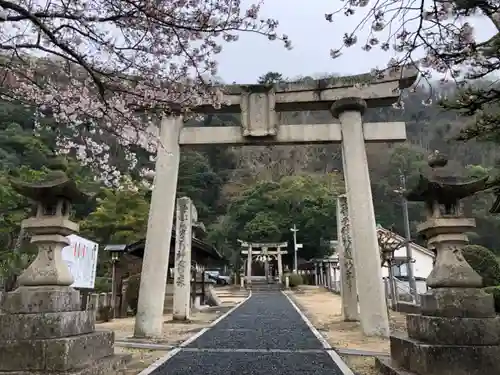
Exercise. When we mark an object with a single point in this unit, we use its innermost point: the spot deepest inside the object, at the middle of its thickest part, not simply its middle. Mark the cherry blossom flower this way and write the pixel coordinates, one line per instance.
(440, 30)
(112, 68)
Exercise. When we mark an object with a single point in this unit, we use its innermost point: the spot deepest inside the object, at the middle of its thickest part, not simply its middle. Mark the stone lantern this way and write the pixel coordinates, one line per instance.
(42, 327)
(457, 331)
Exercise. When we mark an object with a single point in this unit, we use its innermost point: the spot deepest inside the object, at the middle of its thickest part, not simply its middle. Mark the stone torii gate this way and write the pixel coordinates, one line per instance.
(250, 252)
(347, 99)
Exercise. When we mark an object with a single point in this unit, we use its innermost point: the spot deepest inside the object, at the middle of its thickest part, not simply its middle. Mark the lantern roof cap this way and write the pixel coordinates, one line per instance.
(55, 185)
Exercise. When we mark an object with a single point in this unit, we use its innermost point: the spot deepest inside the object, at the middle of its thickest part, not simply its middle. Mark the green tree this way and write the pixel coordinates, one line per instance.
(200, 182)
(267, 210)
(13, 209)
(120, 217)
(484, 262)
(406, 160)
(271, 77)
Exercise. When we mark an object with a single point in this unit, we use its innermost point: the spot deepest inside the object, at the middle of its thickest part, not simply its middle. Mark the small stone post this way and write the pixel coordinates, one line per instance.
(287, 282)
(280, 265)
(94, 302)
(102, 300)
(326, 267)
(266, 263)
(335, 283)
(316, 274)
(185, 217)
(249, 266)
(329, 272)
(42, 327)
(323, 274)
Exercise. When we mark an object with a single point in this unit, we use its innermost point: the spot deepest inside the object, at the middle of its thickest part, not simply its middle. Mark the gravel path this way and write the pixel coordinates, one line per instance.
(265, 335)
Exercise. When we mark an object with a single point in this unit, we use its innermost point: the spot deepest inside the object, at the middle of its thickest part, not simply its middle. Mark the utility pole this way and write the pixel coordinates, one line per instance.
(409, 256)
(295, 261)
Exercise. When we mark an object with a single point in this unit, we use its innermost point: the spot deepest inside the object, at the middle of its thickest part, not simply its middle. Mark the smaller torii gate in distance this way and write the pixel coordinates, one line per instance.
(264, 246)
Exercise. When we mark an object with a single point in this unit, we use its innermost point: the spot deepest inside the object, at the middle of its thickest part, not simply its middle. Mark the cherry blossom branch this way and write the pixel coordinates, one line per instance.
(91, 64)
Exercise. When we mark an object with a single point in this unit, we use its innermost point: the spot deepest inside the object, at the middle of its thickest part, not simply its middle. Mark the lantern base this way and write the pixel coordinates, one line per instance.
(43, 331)
(41, 299)
(458, 302)
(413, 357)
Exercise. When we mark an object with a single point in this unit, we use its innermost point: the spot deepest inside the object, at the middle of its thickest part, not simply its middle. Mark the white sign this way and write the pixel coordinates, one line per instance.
(81, 258)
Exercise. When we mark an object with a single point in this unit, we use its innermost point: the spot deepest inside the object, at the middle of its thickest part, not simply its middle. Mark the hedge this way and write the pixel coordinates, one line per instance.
(294, 280)
(484, 262)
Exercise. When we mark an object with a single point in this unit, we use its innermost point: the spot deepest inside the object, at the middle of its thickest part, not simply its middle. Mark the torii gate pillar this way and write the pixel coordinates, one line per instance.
(373, 309)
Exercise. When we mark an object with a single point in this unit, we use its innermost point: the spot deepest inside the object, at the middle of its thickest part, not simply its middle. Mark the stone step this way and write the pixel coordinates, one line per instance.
(386, 366)
(56, 355)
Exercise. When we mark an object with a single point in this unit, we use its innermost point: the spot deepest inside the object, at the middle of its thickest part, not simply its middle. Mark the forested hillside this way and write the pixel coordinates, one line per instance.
(253, 193)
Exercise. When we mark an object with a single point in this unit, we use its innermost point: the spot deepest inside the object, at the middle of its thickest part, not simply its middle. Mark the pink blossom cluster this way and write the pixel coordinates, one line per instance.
(104, 67)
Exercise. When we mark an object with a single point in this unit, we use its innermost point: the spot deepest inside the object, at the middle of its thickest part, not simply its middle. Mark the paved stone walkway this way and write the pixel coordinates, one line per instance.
(264, 336)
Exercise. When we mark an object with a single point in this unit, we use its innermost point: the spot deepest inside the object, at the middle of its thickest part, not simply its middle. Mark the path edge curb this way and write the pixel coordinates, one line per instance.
(158, 363)
(332, 353)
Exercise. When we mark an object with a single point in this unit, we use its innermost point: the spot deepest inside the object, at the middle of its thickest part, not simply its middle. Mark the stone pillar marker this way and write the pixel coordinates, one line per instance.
(374, 318)
(149, 318)
(249, 265)
(457, 331)
(185, 217)
(348, 284)
(42, 327)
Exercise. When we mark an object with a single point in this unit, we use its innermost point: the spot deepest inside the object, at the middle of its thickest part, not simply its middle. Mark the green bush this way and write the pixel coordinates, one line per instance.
(484, 262)
(495, 290)
(132, 293)
(294, 279)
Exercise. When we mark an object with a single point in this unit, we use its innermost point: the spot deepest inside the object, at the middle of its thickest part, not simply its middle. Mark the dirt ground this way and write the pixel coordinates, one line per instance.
(174, 333)
(323, 308)
(361, 365)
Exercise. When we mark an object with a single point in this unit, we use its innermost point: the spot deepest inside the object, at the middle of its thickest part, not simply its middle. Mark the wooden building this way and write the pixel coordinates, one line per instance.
(129, 266)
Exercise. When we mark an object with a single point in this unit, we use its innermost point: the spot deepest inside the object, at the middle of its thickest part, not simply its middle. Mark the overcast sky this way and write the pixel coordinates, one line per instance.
(312, 37)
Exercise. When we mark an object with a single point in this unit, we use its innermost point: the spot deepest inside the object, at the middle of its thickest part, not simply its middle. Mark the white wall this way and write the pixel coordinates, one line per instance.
(421, 268)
